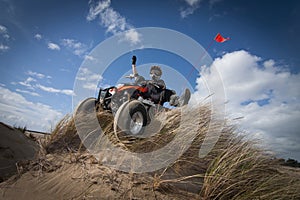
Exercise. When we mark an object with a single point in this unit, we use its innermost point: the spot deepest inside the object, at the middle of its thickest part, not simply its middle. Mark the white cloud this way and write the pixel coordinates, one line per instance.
(192, 6)
(28, 92)
(28, 82)
(32, 83)
(113, 21)
(4, 39)
(76, 47)
(16, 110)
(3, 47)
(90, 79)
(133, 36)
(6, 36)
(54, 90)
(53, 46)
(266, 95)
(96, 10)
(67, 92)
(37, 75)
(4, 32)
(3, 29)
(89, 57)
(38, 36)
(192, 2)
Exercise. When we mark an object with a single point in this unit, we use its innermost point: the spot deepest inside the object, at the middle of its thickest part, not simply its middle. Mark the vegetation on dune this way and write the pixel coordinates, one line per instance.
(234, 169)
(23, 129)
(290, 162)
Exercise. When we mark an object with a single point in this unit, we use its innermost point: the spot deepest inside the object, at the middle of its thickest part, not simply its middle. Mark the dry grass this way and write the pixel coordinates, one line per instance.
(242, 171)
(234, 169)
(64, 137)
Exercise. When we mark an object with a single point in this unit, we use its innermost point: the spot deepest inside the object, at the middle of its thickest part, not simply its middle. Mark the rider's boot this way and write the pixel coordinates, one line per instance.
(185, 97)
(182, 100)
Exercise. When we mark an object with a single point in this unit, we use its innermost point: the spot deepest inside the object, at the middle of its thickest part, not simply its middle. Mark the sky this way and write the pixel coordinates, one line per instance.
(46, 46)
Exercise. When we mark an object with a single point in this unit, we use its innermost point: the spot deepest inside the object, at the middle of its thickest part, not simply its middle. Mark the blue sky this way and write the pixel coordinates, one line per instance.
(44, 43)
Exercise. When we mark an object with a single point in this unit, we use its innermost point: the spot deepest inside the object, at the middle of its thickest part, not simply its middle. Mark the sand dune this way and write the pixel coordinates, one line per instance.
(14, 147)
(64, 169)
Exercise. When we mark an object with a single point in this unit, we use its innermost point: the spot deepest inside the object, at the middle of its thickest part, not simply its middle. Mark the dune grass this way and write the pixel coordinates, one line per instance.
(235, 169)
(23, 129)
(242, 171)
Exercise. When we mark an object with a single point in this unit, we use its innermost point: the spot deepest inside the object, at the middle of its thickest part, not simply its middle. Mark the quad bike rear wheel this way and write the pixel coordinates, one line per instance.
(130, 119)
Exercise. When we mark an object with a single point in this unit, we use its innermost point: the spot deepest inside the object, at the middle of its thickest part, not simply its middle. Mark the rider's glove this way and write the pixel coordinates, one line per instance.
(131, 76)
(133, 60)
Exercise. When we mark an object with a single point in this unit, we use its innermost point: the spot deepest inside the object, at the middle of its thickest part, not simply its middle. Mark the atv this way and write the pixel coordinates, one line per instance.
(128, 103)
(131, 105)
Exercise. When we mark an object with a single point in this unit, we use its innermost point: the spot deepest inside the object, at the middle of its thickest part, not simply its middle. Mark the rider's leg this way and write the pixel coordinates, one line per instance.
(182, 100)
(165, 95)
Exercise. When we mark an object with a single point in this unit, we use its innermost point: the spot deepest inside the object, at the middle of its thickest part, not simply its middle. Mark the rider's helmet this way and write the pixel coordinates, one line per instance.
(155, 72)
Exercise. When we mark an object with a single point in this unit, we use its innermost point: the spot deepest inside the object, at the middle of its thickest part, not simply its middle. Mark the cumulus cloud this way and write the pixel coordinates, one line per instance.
(113, 21)
(88, 78)
(192, 2)
(4, 39)
(37, 75)
(28, 83)
(3, 29)
(4, 32)
(4, 47)
(89, 57)
(54, 90)
(16, 110)
(38, 36)
(53, 46)
(76, 47)
(96, 10)
(133, 36)
(33, 82)
(28, 92)
(190, 8)
(265, 94)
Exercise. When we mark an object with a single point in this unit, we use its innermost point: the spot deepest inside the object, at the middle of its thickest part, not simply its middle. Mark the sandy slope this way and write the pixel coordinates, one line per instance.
(65, 172)
(64, 169)
(14, 146)
(81, 177)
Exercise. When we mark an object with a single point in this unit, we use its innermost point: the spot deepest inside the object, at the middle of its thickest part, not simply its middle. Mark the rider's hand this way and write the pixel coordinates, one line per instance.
(131, 76)
(133, 60)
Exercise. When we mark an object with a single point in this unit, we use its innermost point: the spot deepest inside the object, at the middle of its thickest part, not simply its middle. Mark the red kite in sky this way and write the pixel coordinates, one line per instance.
(220, 38)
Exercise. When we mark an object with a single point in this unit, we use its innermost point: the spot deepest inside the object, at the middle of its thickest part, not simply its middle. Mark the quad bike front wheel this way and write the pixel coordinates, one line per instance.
(130, 119)
(86, 106)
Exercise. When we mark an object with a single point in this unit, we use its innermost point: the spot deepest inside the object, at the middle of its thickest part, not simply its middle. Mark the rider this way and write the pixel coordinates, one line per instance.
(157, 88)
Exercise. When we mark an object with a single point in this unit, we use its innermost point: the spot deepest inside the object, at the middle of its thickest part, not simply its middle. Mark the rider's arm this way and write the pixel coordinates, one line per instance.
(138, 79)
(134, 71)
